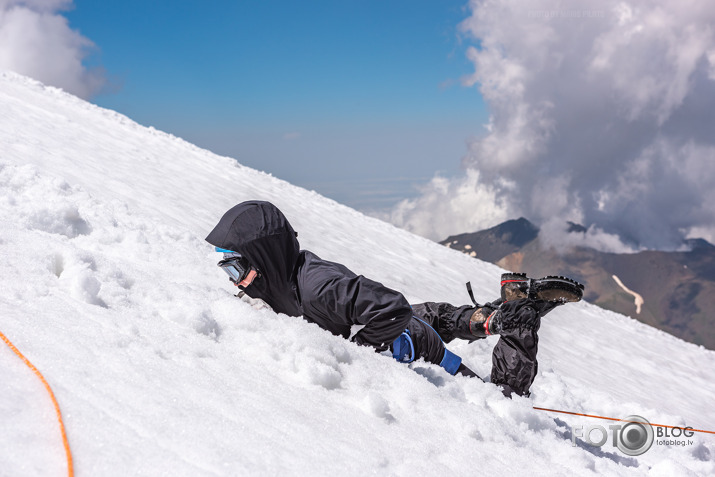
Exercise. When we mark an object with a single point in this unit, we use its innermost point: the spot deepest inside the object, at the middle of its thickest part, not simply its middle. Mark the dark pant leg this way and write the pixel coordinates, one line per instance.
(448, 320)
(428, 345)
(420, 340)
(514, 364)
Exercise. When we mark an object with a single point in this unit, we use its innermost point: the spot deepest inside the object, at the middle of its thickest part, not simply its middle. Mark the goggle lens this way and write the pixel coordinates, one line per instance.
(236, 267)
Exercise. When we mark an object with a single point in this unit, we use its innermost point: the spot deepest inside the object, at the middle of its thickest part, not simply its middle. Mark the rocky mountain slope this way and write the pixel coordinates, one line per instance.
(673, 291)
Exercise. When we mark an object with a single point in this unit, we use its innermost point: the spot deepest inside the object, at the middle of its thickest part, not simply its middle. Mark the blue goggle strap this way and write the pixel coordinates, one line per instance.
(223, 250)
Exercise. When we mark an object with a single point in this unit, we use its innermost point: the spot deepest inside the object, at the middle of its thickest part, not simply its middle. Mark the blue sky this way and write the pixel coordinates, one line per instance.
(359, 100)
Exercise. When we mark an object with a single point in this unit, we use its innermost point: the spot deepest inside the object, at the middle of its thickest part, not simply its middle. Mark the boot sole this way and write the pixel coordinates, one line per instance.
(559, 289)
(551, 288)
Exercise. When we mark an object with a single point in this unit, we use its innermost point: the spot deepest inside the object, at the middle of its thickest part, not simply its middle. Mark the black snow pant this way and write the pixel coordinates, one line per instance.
(420, 340)
(514, 364)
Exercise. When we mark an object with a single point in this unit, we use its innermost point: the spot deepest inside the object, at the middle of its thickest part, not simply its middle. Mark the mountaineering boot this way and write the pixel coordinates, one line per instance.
(524, 313)
(485, 321)
(515, 286)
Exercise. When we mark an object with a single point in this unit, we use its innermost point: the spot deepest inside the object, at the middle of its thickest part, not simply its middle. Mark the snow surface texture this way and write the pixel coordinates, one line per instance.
(110, 290)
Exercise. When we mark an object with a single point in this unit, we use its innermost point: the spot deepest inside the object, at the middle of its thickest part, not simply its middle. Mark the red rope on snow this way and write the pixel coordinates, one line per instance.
(614, 419)
(70, 469)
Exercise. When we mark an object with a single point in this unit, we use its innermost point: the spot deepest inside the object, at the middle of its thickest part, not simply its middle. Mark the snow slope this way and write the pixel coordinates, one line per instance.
(110, 290)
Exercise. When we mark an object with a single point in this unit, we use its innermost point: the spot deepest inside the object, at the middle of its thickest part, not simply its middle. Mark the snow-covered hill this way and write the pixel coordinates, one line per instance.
(110, 290)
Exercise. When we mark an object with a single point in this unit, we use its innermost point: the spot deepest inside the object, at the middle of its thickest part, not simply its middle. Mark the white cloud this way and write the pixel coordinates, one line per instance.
(447, 206)
(707, 233)
(603, 116)
(36, 41)
(554, 234)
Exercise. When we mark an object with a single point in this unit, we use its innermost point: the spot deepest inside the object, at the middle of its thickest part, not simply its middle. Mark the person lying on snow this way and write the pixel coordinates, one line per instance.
(262, 257)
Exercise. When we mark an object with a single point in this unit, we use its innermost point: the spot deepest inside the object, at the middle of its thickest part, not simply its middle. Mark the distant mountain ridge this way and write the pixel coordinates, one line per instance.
(496, 243)
(677, 288)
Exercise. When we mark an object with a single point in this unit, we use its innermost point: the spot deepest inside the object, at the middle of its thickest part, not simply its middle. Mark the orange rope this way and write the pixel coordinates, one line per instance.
(614, 419)
(70, 470)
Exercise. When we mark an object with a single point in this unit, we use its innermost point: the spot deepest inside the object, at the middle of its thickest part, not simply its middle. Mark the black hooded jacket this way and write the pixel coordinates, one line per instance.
(298, 282)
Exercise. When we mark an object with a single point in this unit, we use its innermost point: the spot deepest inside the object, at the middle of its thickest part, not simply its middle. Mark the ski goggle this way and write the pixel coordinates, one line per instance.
(236, 266)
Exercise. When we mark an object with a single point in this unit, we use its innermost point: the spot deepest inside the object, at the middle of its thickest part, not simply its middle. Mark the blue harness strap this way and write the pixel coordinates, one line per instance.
(450, 361)
(403, 350)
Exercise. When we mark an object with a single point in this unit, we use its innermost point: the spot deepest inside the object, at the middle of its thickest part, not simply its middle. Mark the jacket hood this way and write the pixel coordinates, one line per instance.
(260, 232)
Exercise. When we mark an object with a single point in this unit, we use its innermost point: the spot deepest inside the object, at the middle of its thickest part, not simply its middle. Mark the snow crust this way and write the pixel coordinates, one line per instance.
(110, 290)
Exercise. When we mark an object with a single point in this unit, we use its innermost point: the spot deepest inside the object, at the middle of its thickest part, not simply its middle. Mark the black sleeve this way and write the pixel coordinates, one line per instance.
(384, 312)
